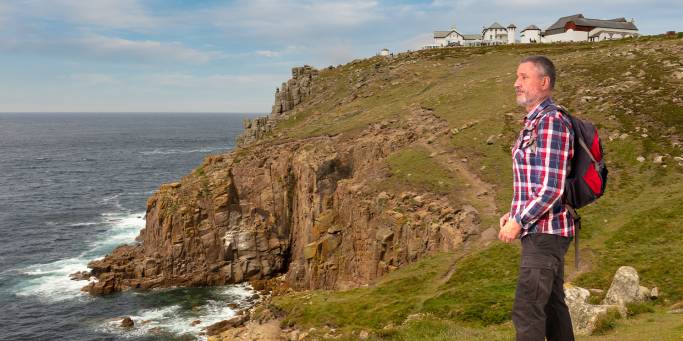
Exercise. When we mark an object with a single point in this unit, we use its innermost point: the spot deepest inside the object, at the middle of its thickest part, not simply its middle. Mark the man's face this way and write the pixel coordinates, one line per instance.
(531, 85)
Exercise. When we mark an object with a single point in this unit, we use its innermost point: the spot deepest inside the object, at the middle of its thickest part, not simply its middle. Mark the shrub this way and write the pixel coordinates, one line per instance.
(607, 322)
(637, 308)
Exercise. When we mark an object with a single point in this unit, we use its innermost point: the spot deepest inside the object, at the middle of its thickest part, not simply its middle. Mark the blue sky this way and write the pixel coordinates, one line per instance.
(229, 56)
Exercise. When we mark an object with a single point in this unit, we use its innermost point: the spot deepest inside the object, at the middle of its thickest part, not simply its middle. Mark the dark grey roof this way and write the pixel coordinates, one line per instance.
(442, 34)
(496, 25)
(562, 21)
(619, 23)
(512, 26)
(531, 27)
(580, 20)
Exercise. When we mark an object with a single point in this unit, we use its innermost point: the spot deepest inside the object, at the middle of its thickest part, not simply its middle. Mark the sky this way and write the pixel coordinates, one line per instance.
(229, 56)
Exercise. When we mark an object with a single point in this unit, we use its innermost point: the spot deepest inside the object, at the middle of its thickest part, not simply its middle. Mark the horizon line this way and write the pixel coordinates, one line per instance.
(135, 112)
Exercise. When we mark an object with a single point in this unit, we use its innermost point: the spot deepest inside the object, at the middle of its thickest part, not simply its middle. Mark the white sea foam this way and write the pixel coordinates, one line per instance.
(111, 197)
(182, 151)
(88, 223)
(124, 228)
(51, 281)
(172, 319)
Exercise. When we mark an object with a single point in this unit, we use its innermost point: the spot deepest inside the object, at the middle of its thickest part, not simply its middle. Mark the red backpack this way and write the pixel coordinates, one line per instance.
(587, 176)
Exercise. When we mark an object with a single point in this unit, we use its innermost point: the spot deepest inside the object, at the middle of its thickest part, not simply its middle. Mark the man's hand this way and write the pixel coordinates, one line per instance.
(510, 231)
(504, 220)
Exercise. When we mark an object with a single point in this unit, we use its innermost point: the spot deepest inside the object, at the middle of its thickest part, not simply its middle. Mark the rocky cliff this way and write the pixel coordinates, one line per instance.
(306, 207)
(293, 92)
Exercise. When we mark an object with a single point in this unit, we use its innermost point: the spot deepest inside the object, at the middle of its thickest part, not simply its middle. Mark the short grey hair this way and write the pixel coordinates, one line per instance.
(545, 65)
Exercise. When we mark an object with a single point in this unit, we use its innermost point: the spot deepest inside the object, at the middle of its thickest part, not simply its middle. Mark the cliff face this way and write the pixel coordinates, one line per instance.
(305, 207)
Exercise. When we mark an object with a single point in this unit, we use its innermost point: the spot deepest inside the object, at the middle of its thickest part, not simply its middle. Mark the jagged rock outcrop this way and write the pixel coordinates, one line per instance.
(292, 93)
(295, 90)
(255, 129)
(306, 208)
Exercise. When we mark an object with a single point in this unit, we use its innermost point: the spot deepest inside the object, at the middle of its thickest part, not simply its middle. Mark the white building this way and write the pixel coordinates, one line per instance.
(454, 38)
(446, 38)
(578, 28)
(511, 33)
(531, 34)
(384, 52)
(496, 34)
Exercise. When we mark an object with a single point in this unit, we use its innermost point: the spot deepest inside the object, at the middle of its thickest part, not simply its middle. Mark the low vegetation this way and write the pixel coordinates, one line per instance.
(631, 89)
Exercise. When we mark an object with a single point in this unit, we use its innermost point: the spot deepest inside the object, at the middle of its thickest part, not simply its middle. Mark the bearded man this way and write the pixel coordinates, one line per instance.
(540, 160)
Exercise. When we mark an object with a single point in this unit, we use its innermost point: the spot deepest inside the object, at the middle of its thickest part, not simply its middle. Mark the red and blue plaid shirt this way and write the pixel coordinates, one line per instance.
(540, 163)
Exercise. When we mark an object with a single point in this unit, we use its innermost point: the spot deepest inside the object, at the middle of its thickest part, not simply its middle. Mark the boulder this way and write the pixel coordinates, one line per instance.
(625, 288)
(224, 325)
(654, 293)
(585, 315)
(127, 322)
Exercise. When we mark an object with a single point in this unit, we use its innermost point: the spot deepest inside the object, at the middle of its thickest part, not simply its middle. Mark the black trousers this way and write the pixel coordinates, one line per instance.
(539, 310)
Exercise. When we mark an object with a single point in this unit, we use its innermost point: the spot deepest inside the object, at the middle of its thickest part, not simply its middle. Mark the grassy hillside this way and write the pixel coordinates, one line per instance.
(632, 89)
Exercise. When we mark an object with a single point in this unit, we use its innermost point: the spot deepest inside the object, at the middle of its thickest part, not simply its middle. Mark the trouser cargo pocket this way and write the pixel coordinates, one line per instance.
(536, 275)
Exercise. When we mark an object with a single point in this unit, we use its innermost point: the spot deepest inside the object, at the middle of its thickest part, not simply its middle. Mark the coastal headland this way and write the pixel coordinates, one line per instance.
(370, 195)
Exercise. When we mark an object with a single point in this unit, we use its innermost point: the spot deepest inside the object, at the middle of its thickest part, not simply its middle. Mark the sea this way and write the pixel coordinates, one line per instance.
(73, 186)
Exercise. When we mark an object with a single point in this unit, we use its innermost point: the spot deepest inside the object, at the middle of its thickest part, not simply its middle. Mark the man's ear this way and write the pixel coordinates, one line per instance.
(546, 82)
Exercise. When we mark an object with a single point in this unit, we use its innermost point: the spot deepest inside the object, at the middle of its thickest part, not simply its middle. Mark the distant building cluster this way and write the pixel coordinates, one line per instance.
(566, 29)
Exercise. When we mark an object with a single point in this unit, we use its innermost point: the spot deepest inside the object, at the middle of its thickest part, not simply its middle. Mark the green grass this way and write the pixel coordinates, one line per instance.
(482, 288)
(650, 241)
(636, 308)
(415, 168)
(399, 294)
(435, 329)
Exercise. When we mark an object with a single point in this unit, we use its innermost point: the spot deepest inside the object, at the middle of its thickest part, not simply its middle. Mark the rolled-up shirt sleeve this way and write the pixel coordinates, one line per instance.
(554, 141)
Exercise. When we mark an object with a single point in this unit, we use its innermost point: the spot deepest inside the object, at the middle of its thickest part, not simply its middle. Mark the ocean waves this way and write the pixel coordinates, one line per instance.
(182, 320)
(51, 281)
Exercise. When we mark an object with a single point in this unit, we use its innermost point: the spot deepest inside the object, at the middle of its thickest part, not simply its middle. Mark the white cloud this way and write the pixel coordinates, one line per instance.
(115, 14)
(93, 78)
(267, 53)
(99, 47)
(213, 81)
(146, 50)
(296, 21)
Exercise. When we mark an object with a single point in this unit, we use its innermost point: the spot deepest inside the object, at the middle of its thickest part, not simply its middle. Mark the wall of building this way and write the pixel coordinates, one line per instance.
(496, 34)
(511, 35)
(570, 35)
(606, 36)
(529, 36)
(453, 37)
